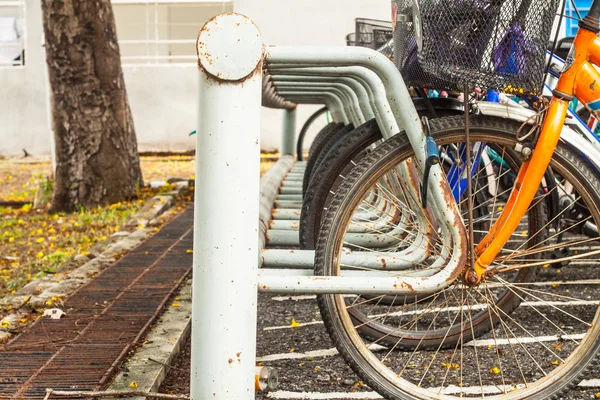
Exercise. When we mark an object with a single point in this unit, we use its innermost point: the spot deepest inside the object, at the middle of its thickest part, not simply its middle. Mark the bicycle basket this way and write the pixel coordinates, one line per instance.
(371, 33)
(498, 44)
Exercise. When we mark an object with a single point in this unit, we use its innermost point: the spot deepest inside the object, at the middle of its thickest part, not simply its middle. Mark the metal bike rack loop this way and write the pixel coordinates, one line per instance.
(231, 219)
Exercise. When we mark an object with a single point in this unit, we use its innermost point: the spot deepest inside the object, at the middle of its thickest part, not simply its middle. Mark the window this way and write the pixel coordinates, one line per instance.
(162, 31)
(12, 33)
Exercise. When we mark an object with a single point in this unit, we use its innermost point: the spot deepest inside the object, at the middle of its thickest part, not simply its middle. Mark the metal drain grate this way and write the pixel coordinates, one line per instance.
(105, 318)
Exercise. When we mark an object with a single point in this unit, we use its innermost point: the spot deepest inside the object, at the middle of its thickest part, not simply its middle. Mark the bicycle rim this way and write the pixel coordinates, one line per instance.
(534, 344)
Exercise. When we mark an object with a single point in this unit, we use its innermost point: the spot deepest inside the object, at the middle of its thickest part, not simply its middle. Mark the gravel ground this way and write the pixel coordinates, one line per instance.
(311, 374)
(292, 339)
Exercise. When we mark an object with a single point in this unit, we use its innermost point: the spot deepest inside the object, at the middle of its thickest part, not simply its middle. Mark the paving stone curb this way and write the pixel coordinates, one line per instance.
(50, 288)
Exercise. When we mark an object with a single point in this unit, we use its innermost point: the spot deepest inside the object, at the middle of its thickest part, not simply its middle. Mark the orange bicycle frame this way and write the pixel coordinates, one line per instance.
(579, 79)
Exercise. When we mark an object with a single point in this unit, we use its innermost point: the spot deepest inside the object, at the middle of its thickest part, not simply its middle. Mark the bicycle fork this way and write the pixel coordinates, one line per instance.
(579, 79)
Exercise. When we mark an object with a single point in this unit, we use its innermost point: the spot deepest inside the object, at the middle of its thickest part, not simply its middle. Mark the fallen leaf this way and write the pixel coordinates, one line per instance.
(54, 313)
(450, 365)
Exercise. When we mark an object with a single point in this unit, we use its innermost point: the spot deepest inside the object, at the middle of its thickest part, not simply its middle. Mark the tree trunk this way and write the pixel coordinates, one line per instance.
(97, 161)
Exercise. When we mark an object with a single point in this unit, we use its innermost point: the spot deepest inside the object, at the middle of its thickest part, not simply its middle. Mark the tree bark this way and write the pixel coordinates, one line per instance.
(97, 160)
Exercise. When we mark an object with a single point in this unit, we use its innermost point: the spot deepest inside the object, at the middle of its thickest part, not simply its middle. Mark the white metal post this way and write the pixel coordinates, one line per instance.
(230, 54)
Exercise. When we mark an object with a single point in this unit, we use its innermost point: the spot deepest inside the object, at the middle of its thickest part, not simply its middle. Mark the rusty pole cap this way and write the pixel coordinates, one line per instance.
(230, 47)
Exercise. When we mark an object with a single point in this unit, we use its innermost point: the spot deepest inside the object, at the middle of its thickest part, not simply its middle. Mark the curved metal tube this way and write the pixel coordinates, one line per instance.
(348, 98)
(363, 96)
(403, 109)
(331, 101)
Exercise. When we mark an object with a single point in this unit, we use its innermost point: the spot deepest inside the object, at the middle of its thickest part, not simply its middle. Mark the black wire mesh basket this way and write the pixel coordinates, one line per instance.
(372, 33)
(491, 44)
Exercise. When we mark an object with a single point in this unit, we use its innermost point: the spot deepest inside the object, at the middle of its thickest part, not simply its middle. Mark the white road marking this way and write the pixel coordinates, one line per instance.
(294, 356)
(590, 383)
(304, 297)
(281, 394)
(476, 307)
(295, 298)
(375, 347)
(584, 262)
(484, 307)
(273, 328)
(450, 390)
(523, 340)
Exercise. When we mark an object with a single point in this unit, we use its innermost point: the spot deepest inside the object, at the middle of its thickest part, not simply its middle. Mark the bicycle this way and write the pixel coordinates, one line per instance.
(496, 348)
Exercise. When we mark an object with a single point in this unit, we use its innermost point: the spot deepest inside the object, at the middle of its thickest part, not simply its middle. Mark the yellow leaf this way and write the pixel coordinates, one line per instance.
(450, 365)
(189, 251)
(597, 395)
(555, 362)
(133, 385)
(39, 255)
(49, 302)
(495, 371)
(11, 239)
(294, 323)
(292, 350)
(5, 324)
(39, 240)
(175, 305)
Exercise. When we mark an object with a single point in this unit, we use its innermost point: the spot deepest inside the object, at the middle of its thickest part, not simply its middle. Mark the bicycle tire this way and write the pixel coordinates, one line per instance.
(323, 181)
(317, 154)
(323, 178)
(304, 130)
(322, 136)
(388, 335)
(381, 375)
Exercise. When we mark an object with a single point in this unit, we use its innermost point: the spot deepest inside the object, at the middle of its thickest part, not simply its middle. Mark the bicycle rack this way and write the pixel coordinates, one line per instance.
(357, 84)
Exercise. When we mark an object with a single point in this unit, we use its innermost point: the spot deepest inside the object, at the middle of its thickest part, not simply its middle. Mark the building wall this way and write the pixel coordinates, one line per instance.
(23, 98)
(163, 96)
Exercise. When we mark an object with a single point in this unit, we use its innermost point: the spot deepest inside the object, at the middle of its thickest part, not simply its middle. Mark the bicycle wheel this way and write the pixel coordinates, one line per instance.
(322, 136)
(304, 131)
(510, 337)
(325, 143)
(326, 178)
(334, 166)
(384, 331)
